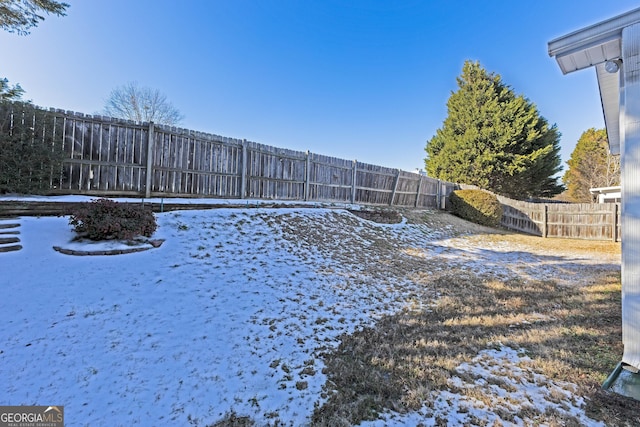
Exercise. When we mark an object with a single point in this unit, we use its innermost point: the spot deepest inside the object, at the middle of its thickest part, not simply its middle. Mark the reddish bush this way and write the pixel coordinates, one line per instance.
(104, 219)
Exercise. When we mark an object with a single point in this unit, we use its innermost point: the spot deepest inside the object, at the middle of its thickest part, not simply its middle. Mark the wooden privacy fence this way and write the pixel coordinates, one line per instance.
(106, 156)
(111, 157)
(592, 221)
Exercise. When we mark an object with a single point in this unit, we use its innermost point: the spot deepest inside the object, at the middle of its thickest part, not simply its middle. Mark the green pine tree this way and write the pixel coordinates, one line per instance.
(591, 165)
(31, 158)
(9, 93)
(18, 16)
(495, 140)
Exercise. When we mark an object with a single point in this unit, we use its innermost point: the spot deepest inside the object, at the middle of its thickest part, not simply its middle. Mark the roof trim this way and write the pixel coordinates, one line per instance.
(604, 190)
(593, 44)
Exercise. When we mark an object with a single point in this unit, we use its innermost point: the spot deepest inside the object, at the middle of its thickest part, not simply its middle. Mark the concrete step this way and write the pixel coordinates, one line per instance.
(10, 248)
(9, 225)
(7, 240)
(9, 232)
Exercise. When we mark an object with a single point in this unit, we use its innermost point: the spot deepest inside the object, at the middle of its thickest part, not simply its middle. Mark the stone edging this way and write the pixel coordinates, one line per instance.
(153, 243)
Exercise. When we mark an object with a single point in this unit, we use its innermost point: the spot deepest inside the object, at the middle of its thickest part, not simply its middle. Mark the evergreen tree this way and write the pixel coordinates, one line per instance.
(8, 93)
(495, 140)
(31, 154)
(18, 16)
(591, 165)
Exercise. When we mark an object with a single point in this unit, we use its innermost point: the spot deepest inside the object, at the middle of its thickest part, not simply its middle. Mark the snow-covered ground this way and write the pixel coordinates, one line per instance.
(227, 316)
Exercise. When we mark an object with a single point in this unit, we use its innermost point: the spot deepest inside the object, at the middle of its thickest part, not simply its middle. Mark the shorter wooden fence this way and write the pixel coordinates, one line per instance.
(590, 221)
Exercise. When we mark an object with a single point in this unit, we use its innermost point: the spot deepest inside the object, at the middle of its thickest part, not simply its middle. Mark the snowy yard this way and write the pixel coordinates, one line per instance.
(231, 316)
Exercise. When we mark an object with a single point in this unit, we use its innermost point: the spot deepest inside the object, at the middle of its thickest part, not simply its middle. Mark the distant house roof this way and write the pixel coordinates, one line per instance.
(605, 190)
(594, 46)
(605, 194)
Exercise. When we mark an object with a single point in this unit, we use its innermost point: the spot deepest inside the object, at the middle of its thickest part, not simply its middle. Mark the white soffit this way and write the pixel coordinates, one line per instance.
(592, 45)
(588, 56)
(609, 85)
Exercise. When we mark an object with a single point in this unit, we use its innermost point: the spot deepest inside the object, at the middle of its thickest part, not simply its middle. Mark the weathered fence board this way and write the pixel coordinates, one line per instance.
(330, 179)
(374, 184)
(407, 189)
(194, 164)
(101, 154)
(275, 173)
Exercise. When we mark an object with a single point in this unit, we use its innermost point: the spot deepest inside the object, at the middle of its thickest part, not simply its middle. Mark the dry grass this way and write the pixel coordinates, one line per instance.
(538, 244)
(571, 333)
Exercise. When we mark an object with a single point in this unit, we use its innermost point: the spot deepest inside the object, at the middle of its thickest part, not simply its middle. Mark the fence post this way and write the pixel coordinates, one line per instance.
(418, 192)
(353, 181)
(545, 220)
(150, 151)
(438, 195)
(614, 232)
(395, 187)
(243, 171)
(307, 174)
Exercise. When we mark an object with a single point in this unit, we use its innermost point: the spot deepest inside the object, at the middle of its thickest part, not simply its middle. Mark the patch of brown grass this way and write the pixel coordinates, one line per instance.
(539, 244)
(571, 334)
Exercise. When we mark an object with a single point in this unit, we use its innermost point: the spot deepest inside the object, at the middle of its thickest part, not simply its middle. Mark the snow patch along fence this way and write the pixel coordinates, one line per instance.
(104, 156)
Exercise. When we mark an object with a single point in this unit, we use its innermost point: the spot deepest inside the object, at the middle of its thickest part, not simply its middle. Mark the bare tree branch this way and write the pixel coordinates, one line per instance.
(141, 104)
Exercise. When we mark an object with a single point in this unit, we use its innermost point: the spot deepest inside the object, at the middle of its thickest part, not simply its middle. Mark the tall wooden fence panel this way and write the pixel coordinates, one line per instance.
(435, 193)
(330, 179)
(406, 189)
(106, 156)
(193, 164)
(375, 184)
(274, 173)
(103, 154)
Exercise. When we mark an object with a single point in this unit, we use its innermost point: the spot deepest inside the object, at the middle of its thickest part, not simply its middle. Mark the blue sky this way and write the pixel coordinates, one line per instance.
(366, 80)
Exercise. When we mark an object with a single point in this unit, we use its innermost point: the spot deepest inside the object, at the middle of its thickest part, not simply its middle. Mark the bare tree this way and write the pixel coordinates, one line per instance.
(141, 104)
(18, 16)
